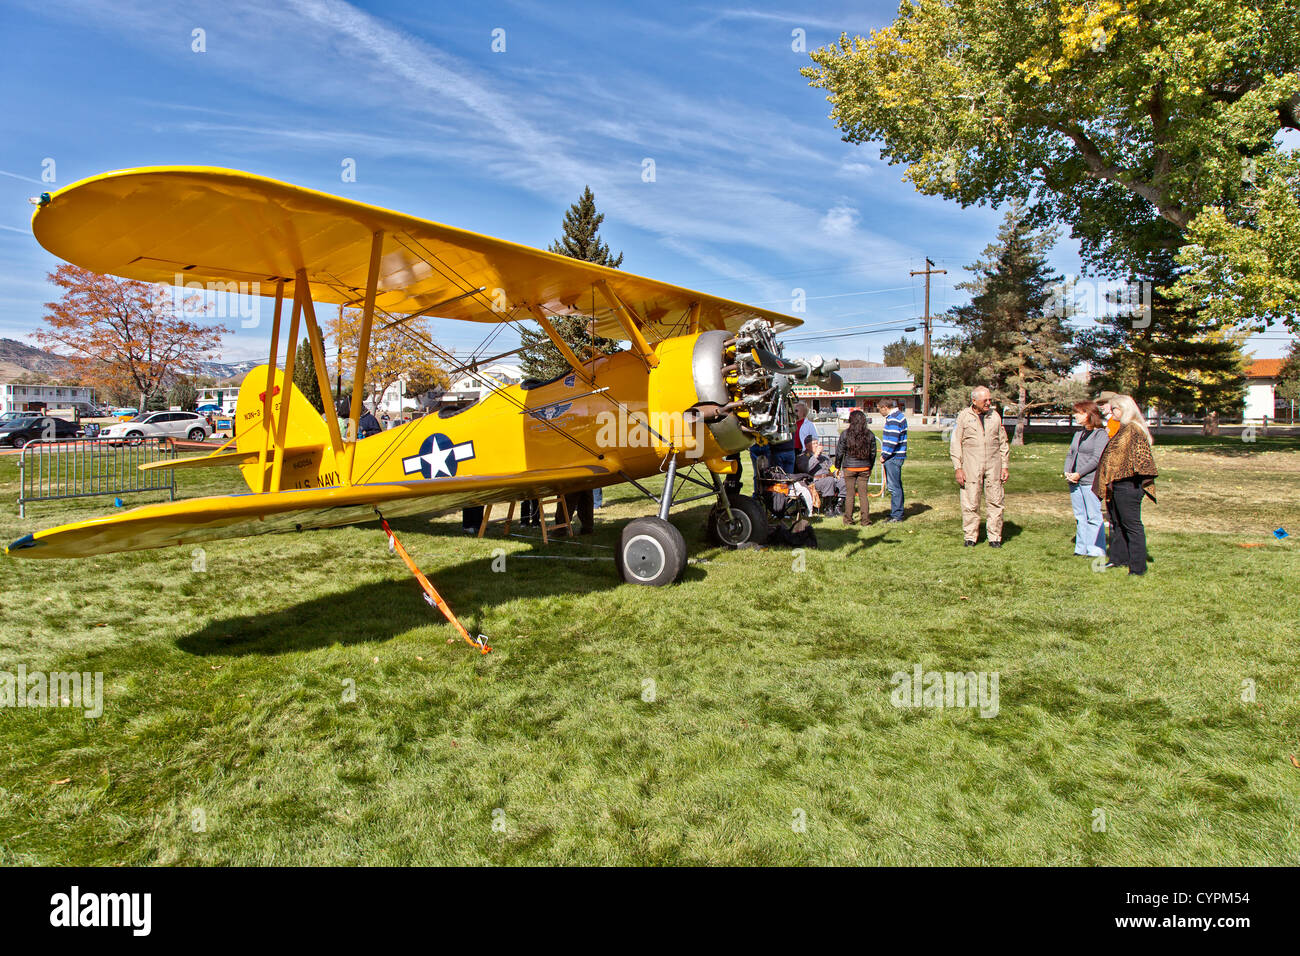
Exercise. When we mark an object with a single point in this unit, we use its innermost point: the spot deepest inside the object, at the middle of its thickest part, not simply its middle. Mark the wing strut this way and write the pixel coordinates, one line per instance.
(574, 362)
(322, 373)
(363, 349)
(300, 291)
(631, 325)
(267, 398)
(430, 592)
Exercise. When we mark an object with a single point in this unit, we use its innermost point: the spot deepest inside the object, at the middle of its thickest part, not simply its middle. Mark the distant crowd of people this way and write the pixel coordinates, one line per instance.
(1108, 469)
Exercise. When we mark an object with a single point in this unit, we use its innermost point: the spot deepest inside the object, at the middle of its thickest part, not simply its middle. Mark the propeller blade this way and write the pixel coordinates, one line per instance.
(832, 382)
(774, 363)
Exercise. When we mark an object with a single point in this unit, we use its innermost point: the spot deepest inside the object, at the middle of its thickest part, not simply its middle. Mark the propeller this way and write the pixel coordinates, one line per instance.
(816, 369)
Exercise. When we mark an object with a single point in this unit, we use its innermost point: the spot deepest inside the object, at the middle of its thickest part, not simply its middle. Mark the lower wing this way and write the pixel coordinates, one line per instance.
(236, 516)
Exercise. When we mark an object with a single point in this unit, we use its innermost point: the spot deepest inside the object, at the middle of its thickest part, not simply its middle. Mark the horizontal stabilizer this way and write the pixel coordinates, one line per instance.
(226, 458)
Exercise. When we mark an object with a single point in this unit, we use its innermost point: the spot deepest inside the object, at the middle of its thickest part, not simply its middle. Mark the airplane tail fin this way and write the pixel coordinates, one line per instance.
(308, 457)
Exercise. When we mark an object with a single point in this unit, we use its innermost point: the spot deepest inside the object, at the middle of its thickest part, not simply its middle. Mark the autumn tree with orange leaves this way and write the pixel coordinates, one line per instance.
(123, 335)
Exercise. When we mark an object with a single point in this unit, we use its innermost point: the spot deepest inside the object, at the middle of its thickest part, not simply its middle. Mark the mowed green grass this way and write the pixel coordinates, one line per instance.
(224, 690)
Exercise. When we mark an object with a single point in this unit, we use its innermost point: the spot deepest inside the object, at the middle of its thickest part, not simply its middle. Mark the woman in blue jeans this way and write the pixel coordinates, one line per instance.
(1080, 463)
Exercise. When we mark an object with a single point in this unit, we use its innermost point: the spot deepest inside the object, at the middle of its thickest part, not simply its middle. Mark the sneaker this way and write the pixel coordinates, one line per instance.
(970, 543)
(895, 521)
(995, 544)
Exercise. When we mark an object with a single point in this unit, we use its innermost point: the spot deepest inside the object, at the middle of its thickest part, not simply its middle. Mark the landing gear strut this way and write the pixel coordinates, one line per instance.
(736, 519)
(651, 551)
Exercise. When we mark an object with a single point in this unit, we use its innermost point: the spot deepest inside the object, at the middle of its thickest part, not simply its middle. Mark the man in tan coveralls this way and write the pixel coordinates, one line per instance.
(981, 455)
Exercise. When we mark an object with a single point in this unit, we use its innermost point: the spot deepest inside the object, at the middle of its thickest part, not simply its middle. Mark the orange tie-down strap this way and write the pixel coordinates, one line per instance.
(431, 593)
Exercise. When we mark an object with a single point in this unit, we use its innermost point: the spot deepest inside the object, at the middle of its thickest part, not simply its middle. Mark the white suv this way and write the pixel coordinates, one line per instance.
(190, 425)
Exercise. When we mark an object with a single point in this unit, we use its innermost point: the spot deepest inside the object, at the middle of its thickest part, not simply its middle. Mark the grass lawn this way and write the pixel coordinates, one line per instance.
(1120, 698)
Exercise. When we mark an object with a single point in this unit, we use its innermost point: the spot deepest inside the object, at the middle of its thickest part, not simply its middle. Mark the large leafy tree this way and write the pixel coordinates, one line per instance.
(1242, 259)
(398, 351)
(1122, 118)
(1012, 335)
(898, 353)
(540, 359)
(946, 376)
(125, 336)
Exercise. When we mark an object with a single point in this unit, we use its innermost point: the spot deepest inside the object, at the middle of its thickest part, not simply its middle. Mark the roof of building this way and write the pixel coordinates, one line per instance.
(873, 375)
(1265, 368)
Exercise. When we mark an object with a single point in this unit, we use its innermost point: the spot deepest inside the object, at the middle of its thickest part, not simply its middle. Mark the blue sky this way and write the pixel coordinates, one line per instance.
(755, 195)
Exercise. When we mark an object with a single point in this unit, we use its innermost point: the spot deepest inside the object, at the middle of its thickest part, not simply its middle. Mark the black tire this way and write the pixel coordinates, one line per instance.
(134, 438)
(651, 552)
(198, 434)
(19, 441)
(750, 523)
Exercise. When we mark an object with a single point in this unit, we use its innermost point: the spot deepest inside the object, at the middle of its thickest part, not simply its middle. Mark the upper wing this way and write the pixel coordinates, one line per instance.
(233, 516)
(172, 224)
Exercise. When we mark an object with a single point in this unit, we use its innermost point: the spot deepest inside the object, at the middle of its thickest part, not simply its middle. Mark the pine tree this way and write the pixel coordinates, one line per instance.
(1012, 335)
(183, 394)
(539, 357)
(304, 376)
(1172, 359)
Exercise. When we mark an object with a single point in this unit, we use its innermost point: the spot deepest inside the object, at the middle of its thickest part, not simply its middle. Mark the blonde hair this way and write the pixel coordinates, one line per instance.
(1126, 412)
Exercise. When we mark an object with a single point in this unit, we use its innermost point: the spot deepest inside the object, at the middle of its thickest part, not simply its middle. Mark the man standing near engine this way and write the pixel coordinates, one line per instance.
(981, 458)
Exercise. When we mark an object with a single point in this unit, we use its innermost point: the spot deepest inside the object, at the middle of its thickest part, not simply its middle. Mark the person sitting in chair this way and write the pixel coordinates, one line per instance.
(829, 485)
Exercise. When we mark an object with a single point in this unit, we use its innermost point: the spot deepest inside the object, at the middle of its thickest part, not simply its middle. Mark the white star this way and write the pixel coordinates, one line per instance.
(437, 459)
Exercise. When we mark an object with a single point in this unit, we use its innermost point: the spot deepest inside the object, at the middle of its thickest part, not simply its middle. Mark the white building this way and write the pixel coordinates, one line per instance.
(1261, 392)
(37, 398)
(223, 396)
(471, 387)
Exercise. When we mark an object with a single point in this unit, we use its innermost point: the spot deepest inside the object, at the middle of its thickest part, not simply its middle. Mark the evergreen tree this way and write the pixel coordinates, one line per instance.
(539, 358)
(1012, 335)
(1172, 359)
(304, 376)
(183, 394)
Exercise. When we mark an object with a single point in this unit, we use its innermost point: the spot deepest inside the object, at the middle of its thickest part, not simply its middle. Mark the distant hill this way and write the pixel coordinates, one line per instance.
(227, 373)
(860, 363)
(18, 358)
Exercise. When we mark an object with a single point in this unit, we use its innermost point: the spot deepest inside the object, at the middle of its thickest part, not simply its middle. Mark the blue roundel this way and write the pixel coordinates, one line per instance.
(438, 457)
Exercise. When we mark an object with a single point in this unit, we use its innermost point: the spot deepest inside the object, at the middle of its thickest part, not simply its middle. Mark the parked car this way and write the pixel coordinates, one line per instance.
(190, 425)
(17, 432)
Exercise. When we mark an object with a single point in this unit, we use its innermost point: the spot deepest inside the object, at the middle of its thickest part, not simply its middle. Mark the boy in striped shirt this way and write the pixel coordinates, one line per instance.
(893, 452)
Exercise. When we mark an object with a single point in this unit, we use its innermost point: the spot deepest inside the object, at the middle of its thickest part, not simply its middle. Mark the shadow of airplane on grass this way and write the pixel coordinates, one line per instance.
(379, 611)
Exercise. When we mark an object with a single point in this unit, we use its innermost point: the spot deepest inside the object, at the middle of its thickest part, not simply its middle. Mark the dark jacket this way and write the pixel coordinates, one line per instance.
(844, 460)
(1085, 451)
(817, 467)
(369, 425)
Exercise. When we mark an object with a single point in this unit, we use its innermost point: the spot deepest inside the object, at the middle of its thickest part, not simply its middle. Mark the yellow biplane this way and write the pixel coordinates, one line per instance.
(701, 379)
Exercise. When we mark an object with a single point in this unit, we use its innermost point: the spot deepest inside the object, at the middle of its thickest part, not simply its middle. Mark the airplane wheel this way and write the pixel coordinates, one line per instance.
(650, 552)
(748, 524)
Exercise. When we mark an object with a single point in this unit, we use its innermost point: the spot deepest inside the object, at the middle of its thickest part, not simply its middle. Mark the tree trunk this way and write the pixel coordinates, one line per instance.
(1022, 400)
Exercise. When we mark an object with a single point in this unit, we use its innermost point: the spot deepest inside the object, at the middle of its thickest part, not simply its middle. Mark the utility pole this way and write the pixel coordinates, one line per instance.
(928, 271)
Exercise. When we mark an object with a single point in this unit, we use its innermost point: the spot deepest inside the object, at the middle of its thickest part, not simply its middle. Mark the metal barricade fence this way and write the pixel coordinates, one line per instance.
(51, 470)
